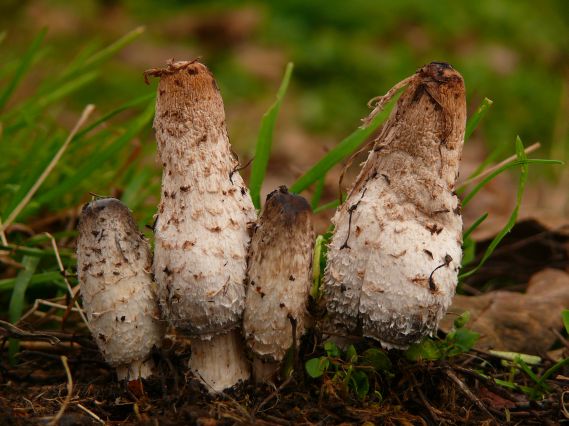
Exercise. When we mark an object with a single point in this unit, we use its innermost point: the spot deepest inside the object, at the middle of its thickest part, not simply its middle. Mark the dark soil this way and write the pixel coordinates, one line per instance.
(34, 390)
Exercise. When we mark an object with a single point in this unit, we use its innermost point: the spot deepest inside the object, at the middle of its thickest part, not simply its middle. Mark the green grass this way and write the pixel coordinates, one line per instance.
(265, 141)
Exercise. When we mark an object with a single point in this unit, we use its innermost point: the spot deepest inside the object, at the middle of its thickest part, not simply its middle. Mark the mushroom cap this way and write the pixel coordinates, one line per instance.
(279, 275)
(205, 209)
(118, 294)
(393, 260)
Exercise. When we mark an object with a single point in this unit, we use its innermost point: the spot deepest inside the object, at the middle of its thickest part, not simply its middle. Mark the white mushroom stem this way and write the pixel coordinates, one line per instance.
(219, 361)
(279, 280)
(118, 294)
(393, 261)
(205, 210)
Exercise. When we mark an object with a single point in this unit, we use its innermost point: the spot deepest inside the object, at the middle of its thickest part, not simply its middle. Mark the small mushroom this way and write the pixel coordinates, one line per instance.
(202, 237)
(119, 297)
(279, 278)
(396, 250)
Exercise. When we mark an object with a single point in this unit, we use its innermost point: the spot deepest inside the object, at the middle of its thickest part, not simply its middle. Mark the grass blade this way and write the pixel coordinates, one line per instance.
(476, 117)
(104, 53)
(18, 298)
(22, 203)
(70, 184)
(111, 114)
(318, 190)
(265, 140)
(512, 220)
(522, 163)
(565, 318)
(473, 227)
(41, 278)
(342, 151)
(25, 63)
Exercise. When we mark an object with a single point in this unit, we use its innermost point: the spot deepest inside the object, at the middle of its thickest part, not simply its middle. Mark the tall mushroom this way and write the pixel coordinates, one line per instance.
(202, 226)
(394, 258)
(279, 275)
(119, 297)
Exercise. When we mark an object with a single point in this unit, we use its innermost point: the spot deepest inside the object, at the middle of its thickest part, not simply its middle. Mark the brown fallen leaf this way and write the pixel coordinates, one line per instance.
(517, 322)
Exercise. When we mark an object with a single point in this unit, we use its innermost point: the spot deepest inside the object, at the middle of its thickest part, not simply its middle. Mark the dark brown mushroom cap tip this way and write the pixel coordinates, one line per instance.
(103, 208)
(289, 206)
(440, 72)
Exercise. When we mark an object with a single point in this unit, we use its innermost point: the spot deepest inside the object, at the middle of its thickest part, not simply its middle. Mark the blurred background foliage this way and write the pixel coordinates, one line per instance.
(514, 52)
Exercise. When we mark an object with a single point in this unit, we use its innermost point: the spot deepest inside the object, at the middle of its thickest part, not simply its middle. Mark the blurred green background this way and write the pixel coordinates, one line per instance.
(513, 52)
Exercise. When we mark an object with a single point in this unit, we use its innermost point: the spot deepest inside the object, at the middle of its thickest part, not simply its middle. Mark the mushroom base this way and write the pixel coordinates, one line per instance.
(136, 370)
(265, 371)
(220, 362)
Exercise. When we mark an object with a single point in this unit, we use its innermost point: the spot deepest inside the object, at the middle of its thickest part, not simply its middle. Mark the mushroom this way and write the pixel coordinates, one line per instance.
(201, 231)
(396, 250)
(119, 297)
(279, 278)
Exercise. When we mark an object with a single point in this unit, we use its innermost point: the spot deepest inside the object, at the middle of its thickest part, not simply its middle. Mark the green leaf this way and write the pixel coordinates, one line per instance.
(475, 119)
(342, 151)
(565, 318)
(351, 354)
(427, 350)
(316, 367)
(24, 66)
(332, 350)
(462, 319)
(265, 141)
(360, 383)
(463, 340)
(377, 359)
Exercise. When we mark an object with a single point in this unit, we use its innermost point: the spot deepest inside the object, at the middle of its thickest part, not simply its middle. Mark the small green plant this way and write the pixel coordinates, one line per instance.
(348, 370)
(458, 341)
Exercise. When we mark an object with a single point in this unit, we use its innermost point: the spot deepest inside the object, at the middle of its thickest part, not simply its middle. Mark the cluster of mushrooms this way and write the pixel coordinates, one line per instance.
(237, 284)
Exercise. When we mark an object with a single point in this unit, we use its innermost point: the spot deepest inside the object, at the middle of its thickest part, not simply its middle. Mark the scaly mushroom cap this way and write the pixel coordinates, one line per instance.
(394, 258)
(119, 296)
(201, 230)
(280, 259)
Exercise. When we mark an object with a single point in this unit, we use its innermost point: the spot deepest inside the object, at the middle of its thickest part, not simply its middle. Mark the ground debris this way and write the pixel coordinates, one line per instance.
(423, 393)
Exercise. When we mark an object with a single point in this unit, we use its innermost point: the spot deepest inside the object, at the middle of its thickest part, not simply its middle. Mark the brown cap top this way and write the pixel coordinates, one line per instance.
(187, 93)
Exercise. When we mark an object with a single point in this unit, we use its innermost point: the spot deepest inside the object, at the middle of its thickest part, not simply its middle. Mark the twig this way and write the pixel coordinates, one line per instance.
(67, 400)
(432, 410)
(271, 396)
(38, 302)
(24, 202)
(64, 274)
(13, 331)
(97, 418)
(462, 386)
(3, 234)
(564, 405)
(492, 169)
